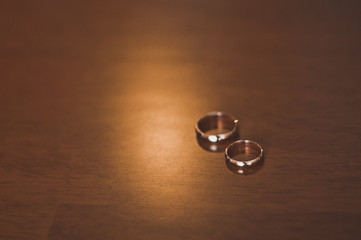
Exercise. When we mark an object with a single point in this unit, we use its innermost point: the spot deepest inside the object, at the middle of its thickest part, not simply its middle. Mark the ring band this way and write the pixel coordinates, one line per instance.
(244, 170)
(221, 124)
(244, 147)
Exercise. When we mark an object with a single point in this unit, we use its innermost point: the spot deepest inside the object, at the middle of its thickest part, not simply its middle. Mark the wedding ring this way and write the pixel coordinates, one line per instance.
(216, 127)
(216, 131)
(243, 148)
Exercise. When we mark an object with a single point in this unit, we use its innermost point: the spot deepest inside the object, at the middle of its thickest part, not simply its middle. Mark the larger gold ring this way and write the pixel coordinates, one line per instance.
(216, 130)
(216, 127)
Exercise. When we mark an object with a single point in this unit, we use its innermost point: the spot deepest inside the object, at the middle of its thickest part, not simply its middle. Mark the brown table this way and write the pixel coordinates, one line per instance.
(98, 101)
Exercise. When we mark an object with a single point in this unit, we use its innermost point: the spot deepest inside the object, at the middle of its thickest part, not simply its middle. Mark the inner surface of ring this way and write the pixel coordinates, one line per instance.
(244, 151)
(216, 124)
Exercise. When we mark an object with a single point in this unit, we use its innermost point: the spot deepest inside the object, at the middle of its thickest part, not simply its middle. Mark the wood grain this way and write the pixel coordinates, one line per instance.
(98, 102)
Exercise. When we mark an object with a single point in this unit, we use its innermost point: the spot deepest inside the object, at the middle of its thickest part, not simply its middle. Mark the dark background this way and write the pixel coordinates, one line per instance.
(98, 101)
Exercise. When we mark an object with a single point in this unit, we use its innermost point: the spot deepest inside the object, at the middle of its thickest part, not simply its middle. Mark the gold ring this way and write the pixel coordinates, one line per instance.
(244, 147)
(216, 130)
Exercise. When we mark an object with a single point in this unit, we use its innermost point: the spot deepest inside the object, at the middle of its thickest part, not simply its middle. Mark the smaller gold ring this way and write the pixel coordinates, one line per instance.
(244, 147)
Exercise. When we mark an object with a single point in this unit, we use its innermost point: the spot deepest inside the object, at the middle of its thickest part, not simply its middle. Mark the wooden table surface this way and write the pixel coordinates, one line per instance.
(98, 101)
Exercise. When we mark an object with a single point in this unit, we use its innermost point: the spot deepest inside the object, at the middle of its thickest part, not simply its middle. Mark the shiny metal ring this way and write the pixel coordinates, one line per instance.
(223, 126)
(244, 147)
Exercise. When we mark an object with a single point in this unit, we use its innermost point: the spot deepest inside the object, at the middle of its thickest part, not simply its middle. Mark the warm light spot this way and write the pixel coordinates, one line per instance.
(158, 91)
